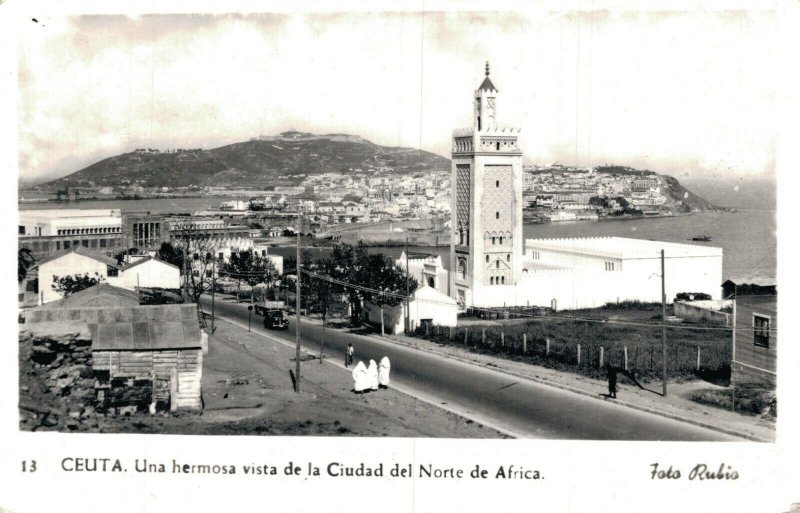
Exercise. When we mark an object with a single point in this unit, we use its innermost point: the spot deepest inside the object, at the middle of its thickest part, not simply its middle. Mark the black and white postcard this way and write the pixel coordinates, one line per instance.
(399, 257)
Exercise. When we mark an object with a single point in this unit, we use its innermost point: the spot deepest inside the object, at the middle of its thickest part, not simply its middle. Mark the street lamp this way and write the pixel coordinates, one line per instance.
(249, 315)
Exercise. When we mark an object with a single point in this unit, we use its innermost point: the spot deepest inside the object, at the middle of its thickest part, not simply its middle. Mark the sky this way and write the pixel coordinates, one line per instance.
(688, 93)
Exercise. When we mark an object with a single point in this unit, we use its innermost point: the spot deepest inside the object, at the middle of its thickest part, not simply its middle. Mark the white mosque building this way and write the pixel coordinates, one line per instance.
(492, 265)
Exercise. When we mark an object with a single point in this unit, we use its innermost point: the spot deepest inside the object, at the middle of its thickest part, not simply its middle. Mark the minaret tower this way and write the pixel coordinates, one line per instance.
(486, 207)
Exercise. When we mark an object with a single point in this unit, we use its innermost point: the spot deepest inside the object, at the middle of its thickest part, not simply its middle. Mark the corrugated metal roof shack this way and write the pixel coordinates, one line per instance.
(140, 354)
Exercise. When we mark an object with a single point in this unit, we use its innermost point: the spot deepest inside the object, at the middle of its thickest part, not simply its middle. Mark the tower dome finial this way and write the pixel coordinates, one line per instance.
(487, 68)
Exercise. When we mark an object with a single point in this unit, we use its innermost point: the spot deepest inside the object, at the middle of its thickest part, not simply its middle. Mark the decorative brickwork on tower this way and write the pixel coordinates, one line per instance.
(486, 251)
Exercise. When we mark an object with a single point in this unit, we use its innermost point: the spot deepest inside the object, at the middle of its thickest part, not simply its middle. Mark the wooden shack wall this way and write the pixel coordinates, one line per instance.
(188, 364)
(752, 363)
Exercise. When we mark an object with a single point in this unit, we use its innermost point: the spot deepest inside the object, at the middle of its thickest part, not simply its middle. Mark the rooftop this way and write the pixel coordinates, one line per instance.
(139, 328)
(101, 294)
(80, 250)
(621, 247)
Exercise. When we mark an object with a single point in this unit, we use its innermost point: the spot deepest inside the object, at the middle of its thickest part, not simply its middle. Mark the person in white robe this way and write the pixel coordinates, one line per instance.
(383, 372)
(372, 371)
(361, 380)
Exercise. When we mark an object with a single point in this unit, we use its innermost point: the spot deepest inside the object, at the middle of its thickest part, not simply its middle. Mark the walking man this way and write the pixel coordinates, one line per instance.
(348, 357)
(612, 381)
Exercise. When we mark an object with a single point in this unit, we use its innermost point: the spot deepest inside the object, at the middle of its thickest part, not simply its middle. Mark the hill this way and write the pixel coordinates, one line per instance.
(252, 163)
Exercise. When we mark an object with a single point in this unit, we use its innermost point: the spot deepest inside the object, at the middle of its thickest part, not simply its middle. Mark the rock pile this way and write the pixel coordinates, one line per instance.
(56, 377)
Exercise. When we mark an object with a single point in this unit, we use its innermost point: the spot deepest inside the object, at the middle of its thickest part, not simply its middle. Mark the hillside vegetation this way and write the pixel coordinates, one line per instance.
(251, 163)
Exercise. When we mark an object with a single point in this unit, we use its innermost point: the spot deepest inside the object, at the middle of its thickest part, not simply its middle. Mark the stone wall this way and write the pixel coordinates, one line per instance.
(56, 389)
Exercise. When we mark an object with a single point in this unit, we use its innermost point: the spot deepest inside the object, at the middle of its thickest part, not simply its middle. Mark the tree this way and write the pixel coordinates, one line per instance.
(25, 261)
(170, 254)
(247, 267)
(376, 279)
(387, 281)
(68, 285)
(197, 248)
(346, 264)
(317, 290)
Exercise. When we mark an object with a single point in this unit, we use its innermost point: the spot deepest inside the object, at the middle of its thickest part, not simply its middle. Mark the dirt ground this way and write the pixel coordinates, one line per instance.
(248, 390)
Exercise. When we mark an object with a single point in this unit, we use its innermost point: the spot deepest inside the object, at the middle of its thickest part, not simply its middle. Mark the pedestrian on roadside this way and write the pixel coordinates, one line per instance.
(372, 373)
(612, 381)
(349, 355)
(383, 372)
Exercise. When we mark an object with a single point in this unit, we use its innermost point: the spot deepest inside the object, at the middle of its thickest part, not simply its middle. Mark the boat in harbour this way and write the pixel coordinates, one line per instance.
(701, 238)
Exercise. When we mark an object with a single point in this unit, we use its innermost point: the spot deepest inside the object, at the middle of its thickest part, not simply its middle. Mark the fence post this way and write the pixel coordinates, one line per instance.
(547, 346)
(625, 356)
(601, 357)
(698, 357)
(483, 336)
(466, 330)
(579, 354)
(426, 328)
(524, 343)
(502, 339)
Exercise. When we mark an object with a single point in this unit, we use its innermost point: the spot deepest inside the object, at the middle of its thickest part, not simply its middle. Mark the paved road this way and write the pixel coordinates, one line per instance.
(525, 407)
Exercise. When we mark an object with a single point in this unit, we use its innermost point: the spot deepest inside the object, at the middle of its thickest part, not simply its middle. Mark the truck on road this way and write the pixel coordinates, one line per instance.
(267, 306)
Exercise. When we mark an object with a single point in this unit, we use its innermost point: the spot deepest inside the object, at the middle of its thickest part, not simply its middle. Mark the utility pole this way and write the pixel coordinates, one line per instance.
(297, 319)
(213, 289)
(407, 302)
(663, 327)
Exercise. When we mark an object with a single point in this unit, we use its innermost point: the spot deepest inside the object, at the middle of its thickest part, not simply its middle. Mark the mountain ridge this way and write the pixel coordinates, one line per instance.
(250, 162)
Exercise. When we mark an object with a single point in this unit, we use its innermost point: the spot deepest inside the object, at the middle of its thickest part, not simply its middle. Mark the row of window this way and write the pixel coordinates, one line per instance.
(94, 243)
(89, 231)
(610, 266)
(497, 281)
(508, 259)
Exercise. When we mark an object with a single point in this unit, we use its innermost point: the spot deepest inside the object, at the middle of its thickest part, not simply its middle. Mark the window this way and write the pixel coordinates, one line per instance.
(498, 145)
(497, 183)
(66, 244)
(497, 215)
(491, 280)
(58, 244)
(761, 330)
(503, 280)
(493, 241)
(21, 230)
(501, 240)
(508, 257)
(497, 264)
(609, 266)
(221, 256)
(102, 243)
(487, 258)
(85, 243)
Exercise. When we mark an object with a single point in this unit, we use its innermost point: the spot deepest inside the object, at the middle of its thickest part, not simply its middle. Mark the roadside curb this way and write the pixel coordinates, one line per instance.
(569, 388)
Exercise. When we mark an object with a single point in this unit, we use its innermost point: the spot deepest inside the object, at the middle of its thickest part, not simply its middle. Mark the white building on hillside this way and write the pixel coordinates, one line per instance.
(69, 222)
(77, 260)
(426, 306)
(149, 272)
(426, 268)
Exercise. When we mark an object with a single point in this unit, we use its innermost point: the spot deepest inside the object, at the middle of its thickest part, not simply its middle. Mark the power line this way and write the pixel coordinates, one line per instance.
(547, 317)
